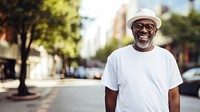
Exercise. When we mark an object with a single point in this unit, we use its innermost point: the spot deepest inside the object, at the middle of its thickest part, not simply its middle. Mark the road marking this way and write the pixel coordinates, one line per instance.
(46, 104)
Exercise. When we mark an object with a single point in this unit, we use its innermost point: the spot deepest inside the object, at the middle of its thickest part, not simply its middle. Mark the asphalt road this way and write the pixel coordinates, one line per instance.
(190, 104)
(90, 98)
(71, 95)
(78, 99)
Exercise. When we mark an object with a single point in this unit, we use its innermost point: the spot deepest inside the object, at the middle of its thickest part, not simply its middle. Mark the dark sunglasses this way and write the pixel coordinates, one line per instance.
(140, 26)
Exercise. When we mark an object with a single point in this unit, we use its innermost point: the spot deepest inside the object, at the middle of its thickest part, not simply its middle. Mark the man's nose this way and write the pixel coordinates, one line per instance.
(143, 29)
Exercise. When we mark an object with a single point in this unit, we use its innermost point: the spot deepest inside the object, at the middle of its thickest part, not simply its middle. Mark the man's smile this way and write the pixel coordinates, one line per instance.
(143, 38)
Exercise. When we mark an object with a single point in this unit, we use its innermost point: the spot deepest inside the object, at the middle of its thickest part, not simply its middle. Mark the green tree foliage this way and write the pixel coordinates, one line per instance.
(112, 45)
(61, 33)
(54, 23)
(183, 29)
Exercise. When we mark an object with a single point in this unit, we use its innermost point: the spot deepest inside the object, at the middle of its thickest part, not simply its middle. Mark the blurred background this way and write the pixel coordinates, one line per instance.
(64, 39)
(55, 37)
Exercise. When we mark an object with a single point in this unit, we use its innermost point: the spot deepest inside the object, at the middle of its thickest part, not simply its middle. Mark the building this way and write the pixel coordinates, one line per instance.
(9, 52)
(38, 63)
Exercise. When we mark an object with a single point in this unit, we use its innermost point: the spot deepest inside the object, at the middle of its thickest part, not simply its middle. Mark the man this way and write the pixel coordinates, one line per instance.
(142, 77)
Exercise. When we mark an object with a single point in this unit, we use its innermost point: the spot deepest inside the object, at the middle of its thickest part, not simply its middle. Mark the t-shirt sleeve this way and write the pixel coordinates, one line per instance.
(174, 73)
(109, 78)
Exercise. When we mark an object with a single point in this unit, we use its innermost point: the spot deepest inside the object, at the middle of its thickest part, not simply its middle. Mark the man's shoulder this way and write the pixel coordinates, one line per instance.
(161, 49)
(120, 52)
(164, 52)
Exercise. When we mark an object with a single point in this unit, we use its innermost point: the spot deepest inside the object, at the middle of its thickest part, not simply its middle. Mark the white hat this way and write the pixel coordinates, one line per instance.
(144, 14)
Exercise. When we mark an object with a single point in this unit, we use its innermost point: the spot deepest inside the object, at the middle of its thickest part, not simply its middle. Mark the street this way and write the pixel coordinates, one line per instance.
(78, 99)
(71, 95)
(90, 98)
(83, 96)
(190, 104)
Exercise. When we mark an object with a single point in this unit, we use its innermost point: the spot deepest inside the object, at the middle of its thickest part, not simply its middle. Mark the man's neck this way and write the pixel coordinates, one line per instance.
(142, 49)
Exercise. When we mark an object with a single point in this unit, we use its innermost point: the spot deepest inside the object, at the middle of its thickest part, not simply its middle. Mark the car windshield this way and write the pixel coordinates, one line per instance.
(192, 73)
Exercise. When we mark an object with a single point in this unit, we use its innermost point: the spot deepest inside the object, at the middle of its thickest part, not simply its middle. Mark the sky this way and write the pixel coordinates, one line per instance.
(176, 6)
(101, 12)
(100, 8)
(107, 8)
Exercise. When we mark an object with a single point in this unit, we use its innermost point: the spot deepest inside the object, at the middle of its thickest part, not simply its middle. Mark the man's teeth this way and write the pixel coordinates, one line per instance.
(143, 38)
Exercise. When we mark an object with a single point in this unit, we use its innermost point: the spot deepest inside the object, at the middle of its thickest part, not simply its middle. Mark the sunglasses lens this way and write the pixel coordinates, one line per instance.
(139, 26)
(148, 27)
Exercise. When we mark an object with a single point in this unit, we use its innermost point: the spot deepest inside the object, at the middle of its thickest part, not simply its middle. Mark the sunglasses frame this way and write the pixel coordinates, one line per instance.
(136, 26)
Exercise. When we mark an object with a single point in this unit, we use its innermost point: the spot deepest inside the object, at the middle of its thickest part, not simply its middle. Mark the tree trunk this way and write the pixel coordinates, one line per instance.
(22, 89)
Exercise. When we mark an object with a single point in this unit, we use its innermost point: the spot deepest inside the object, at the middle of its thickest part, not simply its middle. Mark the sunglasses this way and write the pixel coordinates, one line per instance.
(140, 26)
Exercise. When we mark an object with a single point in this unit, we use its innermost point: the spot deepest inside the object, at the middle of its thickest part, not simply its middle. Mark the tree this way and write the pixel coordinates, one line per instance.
(63, 39)
(183, 29)
(185, 32)
(48, 20)
(112, 45)
(67, 28)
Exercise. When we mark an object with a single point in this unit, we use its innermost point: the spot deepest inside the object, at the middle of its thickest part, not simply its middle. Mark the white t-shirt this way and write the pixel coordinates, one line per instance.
(143, 79)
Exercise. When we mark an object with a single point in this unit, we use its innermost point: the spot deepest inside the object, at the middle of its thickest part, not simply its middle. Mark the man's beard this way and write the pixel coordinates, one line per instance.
(143, 46)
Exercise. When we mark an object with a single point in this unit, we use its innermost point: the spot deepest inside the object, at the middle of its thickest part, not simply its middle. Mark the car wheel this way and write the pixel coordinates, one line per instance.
(198, 92)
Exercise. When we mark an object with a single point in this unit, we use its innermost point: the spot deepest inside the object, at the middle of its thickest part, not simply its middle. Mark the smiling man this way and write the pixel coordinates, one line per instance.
(142, 77)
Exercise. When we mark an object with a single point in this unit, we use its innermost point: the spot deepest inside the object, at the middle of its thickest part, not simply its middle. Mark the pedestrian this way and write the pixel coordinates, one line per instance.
(142, 77)
(2, 74)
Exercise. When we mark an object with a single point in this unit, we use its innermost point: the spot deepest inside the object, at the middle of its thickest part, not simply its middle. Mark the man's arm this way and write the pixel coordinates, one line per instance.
(174, 100)
(110, 99)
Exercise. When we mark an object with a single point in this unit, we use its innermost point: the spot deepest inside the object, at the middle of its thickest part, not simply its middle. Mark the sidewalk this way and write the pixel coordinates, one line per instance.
(43, 87)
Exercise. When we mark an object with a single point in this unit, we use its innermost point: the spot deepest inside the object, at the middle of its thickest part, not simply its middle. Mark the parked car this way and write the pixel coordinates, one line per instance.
(94, 73)
(191, 82)
(80, 72)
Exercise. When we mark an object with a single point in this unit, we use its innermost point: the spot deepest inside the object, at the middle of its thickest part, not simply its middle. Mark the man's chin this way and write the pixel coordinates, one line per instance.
(143, 46)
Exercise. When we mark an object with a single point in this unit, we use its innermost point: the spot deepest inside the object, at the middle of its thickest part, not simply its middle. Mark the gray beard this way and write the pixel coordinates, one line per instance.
(143, 46)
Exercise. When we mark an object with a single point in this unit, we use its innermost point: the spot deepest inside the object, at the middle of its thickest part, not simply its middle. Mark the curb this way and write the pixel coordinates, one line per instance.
(27, 97)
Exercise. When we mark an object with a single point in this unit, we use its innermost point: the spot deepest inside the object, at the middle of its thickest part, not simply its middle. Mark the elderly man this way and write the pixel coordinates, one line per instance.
(142, 77)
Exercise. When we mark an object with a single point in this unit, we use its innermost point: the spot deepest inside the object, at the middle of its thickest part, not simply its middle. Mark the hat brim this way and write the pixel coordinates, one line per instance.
(155, 19)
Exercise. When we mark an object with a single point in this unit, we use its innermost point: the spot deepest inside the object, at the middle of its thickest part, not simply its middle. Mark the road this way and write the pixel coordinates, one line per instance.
(88, 97)
(78, 99)
(73, 95)
(190, 104)
(69, 95)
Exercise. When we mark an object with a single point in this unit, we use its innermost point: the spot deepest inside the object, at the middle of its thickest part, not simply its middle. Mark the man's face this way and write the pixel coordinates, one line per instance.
(143, 31)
